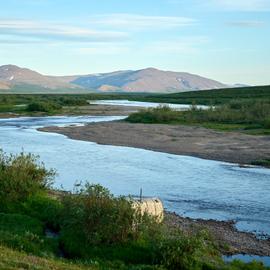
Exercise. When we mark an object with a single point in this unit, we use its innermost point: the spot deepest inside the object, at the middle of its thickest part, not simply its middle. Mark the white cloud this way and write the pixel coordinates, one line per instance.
(139, 22)
(54, 31)
(103, 49)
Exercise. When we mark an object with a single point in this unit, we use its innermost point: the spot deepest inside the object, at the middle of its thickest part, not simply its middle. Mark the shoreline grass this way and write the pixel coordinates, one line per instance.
(251, 117)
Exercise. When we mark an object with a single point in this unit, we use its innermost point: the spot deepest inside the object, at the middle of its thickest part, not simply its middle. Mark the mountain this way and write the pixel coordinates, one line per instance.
(4, 86)
(144, 80)
(11, 75)
(147, 80)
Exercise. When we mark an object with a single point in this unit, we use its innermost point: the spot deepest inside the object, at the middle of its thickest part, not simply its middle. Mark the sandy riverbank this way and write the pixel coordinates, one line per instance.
(229, 240)
(176, 139)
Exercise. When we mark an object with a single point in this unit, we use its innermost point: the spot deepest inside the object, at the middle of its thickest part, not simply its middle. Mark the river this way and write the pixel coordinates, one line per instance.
(179, 107)
(189, 186)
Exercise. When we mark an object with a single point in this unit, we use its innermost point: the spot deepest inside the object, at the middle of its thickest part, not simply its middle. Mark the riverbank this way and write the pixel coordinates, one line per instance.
(175, 139)
(97, 110)
(230, 241)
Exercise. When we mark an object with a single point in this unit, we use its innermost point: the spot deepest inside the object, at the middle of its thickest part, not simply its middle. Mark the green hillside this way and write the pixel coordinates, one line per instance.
(213, 97)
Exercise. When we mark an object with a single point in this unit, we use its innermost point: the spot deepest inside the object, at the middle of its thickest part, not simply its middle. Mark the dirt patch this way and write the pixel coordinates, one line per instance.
(175, 139)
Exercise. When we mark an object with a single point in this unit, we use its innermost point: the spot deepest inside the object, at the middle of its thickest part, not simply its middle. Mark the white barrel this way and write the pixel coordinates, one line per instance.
(150, 206)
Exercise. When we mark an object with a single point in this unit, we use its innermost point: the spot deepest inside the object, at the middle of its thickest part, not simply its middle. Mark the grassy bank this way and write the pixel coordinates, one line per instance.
(251, 117)
(90, 227)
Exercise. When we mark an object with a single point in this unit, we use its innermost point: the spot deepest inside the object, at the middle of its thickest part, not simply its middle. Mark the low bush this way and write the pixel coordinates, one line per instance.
(239, 265)
(246, 115)
(161, 114)
(44, 208)
(21, 176)
(43, 107)
(177, 250)
(101, 217)
(73, 101)
(97, 224)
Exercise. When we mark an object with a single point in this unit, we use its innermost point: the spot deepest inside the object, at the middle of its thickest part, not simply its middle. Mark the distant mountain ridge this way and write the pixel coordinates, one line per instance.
(144, 80)
(147, 80)
(11, 75)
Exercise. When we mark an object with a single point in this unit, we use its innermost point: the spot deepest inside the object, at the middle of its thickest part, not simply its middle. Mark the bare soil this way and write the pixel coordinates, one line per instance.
(175, 139)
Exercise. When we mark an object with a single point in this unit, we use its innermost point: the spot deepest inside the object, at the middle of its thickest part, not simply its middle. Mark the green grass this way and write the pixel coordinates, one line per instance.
(212, 97)
(24, 233)
(262, 162)
(252, 117)
(15, 260)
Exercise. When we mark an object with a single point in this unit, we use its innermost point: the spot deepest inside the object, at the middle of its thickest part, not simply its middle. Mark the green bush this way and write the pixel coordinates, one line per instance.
(73, 101)
(102, 218)
(239, 265)
(95, 224)
(176, 250)
(236, 112)
(44, 208)
(246, 115)
(21, 176)
(161, 114)
(43, 107)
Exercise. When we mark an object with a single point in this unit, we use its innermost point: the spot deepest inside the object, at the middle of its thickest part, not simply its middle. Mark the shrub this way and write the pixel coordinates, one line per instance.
(246, 114)
(43, 107)
(161, 114)
(44, 208)
(21, 176)
(177, 250)
(73, 101)
(95, 224)
(239, 265)
(102, 218)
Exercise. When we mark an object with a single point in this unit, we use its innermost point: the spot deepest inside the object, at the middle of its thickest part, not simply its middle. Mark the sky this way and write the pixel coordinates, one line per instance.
(226, 40)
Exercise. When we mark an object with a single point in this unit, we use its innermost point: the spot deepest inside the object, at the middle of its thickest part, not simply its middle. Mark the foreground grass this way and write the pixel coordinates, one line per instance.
(14, 260)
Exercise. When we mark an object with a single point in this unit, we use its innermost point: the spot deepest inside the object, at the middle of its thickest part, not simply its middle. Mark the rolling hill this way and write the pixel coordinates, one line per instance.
(145, 80)
(11, 75)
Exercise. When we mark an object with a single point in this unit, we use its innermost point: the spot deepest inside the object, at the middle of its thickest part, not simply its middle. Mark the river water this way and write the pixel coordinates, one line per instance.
(180, 107)
(190, 186)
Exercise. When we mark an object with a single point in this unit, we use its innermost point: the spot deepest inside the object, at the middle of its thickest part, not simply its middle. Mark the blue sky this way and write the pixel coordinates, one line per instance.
(227, 40)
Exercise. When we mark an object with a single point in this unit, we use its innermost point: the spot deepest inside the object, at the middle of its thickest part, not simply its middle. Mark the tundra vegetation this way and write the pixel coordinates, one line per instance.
(57, 103)
(92, 229)
(245, 116)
